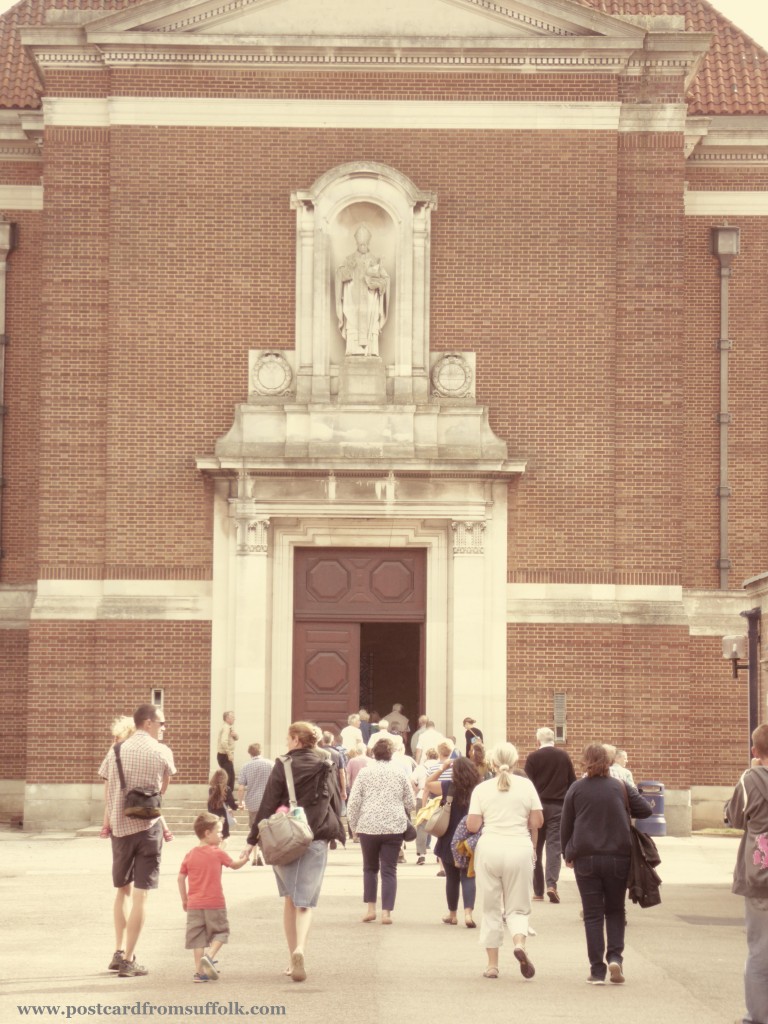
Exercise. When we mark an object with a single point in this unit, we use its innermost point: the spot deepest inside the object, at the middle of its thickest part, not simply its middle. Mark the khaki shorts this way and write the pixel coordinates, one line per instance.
(206, 926)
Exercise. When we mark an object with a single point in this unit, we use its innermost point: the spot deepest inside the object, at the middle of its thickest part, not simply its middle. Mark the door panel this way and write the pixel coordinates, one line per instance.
(360, 584)
(326, 672)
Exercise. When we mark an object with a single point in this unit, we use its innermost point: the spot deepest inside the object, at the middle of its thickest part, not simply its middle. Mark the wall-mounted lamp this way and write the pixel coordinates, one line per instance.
(725, 242)
(744, 653)
(735, 650)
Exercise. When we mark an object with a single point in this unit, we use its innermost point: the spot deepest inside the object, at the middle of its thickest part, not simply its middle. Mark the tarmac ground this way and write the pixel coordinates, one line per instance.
(683, 960)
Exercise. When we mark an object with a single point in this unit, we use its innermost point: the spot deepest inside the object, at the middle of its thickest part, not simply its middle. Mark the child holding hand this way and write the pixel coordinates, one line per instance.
(202, 895)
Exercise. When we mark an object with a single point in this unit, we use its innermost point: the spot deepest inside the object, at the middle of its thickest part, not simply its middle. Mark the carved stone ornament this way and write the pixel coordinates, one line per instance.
(452, 377)
(252, 536)
(272, 375)
(468, 537)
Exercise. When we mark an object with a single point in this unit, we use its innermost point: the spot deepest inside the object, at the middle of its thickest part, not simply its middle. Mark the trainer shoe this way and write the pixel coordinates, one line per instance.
(421, 860)
(616, 972)
(131, 969)
(592, 980)
(208, 968)
(117, 959)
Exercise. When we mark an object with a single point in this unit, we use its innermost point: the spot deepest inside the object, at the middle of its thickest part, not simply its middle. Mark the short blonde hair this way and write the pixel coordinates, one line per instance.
(122, 727)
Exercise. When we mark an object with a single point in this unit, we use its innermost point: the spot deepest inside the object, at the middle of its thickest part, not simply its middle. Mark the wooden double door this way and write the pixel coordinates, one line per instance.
(358, 634)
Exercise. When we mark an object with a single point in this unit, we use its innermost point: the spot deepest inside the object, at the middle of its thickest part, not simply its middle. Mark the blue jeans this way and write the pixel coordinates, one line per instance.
(602, 882)
(456, 878)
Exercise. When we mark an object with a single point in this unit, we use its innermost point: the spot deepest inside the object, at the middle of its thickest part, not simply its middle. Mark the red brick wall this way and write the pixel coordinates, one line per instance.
(84, 674)
(13, 682)
(21, 423)
(664, 696)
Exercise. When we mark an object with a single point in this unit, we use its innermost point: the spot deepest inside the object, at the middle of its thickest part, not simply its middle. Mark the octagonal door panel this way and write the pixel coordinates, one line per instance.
(326, 672)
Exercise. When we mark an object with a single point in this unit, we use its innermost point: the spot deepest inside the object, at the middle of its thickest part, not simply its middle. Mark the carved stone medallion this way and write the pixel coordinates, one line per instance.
(272, 375)
(452, 377)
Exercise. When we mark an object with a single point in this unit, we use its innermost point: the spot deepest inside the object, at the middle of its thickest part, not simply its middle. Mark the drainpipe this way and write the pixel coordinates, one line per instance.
(7, 244)
(725, 245)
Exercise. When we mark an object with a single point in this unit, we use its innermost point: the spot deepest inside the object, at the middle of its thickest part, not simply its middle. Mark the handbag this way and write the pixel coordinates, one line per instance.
(141, 802)
(410, 832)
(437, 824)
(285, 837)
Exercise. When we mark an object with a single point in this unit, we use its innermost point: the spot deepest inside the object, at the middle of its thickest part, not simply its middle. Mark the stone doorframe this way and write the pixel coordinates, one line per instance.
(254, 542)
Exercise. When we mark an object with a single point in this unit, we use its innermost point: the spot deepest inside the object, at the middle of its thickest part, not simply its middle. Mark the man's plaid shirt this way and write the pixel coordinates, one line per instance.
(253, 775)
(146, 763)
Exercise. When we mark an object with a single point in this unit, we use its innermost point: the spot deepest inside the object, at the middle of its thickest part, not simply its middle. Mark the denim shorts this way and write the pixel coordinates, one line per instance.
(302, 879)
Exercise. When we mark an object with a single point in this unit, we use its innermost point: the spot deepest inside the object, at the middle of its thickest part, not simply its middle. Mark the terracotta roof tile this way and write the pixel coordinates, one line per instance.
(732, 78)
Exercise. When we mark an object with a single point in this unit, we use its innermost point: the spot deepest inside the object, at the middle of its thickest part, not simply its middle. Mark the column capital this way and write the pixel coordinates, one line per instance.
(468, 537)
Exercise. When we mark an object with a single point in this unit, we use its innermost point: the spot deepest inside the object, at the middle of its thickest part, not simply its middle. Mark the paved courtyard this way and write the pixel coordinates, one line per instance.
(683, 960)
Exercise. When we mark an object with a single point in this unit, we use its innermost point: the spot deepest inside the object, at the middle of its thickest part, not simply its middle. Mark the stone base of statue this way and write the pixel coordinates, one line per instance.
(362, 381)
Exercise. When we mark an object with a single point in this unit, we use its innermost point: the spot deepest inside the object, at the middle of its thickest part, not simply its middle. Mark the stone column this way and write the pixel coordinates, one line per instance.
(468, 622)
(251, 624)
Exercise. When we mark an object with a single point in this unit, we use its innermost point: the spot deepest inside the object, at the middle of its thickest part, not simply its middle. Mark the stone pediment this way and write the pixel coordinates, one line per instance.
(319, 20)
(331, 34)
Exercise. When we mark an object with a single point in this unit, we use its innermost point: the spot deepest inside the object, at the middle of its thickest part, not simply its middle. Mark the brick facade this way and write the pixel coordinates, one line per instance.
(564, 259)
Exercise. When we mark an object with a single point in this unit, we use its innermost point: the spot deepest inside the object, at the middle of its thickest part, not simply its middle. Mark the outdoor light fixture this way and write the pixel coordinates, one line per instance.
(725, 242)
(735, 650)
(744, 653)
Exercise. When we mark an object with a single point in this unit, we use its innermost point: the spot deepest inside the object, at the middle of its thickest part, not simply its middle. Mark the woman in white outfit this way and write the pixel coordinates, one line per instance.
(508, 810)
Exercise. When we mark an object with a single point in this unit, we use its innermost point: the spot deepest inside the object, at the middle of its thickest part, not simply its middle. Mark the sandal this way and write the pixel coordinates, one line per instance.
(449, 920)
(491, 972)
(469, 922)
(526, 967)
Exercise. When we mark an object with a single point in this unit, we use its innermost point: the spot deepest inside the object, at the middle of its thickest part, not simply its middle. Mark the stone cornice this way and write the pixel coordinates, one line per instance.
(92, 46)
(730, 140)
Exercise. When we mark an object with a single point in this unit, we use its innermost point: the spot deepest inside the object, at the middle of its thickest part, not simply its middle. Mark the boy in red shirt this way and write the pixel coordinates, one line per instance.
(207, 922)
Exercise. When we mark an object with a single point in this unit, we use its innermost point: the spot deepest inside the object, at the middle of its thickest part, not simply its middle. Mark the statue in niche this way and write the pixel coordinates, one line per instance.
(362, 297)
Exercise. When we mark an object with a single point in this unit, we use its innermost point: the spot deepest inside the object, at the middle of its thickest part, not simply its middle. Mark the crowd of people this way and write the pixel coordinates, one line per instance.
(504, 832)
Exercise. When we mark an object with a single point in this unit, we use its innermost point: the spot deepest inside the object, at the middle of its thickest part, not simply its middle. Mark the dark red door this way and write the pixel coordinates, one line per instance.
(326, 672)
(335, 590)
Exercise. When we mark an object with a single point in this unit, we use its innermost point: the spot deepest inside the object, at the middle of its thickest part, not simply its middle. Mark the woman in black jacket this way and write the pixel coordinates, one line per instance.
(595, 838)
(318, 793)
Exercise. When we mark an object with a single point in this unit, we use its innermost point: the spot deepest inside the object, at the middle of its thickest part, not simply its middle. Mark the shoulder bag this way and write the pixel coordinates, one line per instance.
(141, 802)
(437, 824)
(285, 837)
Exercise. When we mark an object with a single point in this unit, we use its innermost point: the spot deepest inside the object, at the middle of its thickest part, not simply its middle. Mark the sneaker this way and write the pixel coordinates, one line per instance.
(117, 959)
(198, 978)
(592, 980)
(131, 969)
(208, 968)
(616, 972)
(553, 894)
(421, 860)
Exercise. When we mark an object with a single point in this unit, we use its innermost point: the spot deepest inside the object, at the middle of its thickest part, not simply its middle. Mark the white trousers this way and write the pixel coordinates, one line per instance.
(504, 874)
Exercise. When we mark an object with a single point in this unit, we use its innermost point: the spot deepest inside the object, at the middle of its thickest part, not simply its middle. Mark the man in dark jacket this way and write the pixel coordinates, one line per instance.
(748, 809)
(551, 771)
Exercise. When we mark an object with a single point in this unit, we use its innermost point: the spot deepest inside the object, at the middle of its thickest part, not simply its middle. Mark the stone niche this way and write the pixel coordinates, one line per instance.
(361, 382)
